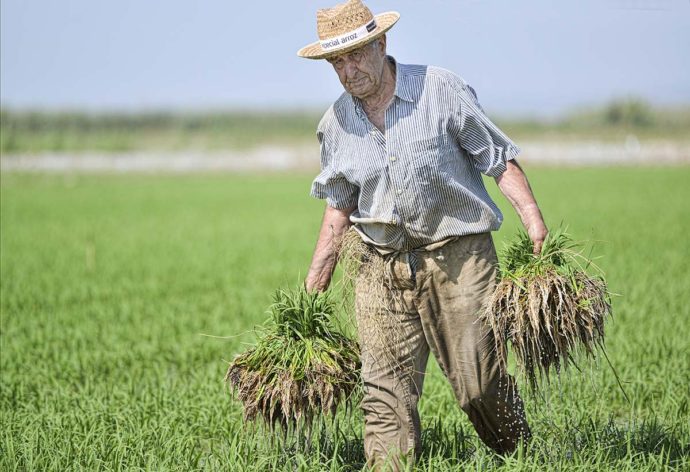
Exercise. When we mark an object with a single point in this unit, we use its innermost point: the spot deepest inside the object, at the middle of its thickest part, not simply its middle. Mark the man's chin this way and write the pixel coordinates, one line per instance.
(358, 92)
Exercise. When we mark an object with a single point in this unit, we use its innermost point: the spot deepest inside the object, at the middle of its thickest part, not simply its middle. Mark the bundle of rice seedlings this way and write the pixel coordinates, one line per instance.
(547, 306)
(302, 366)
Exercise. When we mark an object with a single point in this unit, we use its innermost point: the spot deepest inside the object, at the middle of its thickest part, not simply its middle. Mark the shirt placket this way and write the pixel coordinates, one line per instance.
(396, 171)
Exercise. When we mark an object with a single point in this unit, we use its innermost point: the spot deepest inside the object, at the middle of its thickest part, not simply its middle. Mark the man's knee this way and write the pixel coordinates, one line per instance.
(381, 410)
(475, 399)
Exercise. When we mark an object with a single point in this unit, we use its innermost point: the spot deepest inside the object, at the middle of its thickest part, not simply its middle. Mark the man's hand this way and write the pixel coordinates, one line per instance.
(537, 234)
(514, 185)
(335, 223)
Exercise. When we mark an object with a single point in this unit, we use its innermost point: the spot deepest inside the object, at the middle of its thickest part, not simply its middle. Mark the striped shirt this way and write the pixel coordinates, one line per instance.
(420, 182)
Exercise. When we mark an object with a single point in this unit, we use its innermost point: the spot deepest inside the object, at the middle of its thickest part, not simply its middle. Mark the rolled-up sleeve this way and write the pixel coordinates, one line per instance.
(330, 183)
(489, 147)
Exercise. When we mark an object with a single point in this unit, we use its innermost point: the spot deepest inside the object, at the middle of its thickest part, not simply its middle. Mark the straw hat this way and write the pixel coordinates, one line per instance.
(346, 27)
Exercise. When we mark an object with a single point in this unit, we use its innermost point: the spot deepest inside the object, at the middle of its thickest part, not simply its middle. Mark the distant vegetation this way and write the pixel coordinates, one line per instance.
(38, 131)
(35, 131)
(615, 120)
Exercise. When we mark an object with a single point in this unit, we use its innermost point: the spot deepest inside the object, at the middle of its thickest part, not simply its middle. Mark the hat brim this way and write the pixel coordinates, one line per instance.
(384, 22)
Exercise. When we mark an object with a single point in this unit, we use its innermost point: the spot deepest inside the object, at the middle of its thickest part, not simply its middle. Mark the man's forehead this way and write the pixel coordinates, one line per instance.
(345, 54)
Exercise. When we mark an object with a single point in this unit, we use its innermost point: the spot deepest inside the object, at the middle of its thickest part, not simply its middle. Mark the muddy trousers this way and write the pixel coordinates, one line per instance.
(431, 303)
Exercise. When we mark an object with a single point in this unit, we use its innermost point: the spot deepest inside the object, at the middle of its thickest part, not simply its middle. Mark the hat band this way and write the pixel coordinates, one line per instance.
(354, 35)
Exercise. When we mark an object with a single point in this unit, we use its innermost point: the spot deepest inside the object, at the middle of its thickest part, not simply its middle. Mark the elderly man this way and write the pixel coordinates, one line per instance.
(402, 153)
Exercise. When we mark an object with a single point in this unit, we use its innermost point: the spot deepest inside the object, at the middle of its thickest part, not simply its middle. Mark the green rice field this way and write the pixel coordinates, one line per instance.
(125, 297)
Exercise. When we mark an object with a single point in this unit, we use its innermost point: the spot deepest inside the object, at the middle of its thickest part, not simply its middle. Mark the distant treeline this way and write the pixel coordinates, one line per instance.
(619, 116)
(39, 131)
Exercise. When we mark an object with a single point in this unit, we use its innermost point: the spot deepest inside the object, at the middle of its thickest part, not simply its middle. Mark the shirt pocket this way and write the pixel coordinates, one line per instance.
(429, 158)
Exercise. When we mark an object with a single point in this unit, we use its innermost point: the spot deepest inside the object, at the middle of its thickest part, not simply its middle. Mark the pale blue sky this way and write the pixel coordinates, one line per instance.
(523, 57)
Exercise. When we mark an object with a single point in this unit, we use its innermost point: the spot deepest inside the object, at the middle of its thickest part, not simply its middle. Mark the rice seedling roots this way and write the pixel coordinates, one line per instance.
(368, 292)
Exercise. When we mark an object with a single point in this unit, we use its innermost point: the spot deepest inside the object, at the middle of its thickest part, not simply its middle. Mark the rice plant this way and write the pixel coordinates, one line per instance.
(547, 306)
(302, 366)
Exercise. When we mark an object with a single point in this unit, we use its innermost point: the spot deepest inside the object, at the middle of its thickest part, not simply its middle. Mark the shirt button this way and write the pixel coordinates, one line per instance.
(407, 225)
(392, 158)
(399, 191)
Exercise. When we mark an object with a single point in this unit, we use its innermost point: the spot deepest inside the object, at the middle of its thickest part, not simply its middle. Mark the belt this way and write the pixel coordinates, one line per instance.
(411, 255)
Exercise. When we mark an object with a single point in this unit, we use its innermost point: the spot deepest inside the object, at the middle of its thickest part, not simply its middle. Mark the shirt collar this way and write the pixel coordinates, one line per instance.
(402, 88)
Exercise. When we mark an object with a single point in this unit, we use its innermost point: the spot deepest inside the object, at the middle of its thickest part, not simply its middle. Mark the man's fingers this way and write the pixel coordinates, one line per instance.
(537, 247)
(538, 235)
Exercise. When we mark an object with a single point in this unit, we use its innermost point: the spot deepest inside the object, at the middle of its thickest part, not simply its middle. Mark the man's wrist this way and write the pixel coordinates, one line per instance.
(314, 283)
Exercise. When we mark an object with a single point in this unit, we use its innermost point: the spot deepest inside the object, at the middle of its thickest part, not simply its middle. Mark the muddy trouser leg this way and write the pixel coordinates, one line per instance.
(394, 357)
(454, 283)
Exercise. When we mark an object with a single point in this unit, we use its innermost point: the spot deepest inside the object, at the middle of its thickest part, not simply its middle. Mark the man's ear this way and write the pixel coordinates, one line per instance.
(382, 44)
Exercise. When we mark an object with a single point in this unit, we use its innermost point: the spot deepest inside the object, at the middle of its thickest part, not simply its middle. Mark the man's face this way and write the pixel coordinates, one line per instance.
(360, 71)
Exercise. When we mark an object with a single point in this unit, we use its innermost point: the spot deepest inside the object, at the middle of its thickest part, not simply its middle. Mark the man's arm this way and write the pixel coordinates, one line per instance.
(514, 185)
(335, 223)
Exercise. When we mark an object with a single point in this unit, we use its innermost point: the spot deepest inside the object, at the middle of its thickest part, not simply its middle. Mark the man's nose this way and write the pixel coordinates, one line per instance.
(350, 70)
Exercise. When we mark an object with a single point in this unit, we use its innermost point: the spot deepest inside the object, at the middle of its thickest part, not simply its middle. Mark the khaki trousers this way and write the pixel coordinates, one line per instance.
(433, 300)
